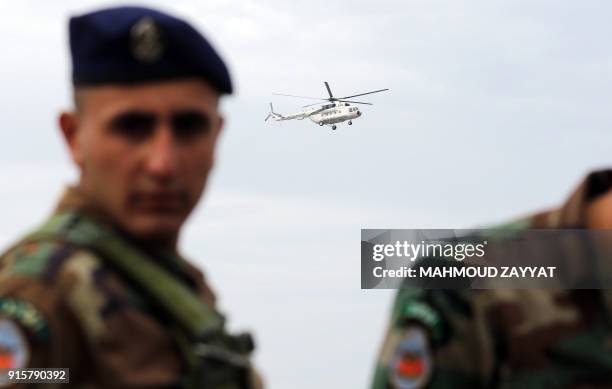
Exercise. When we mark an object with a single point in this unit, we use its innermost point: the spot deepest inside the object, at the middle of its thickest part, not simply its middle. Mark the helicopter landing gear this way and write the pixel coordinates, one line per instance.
(350, 122)
(321, 123)
(333, 127)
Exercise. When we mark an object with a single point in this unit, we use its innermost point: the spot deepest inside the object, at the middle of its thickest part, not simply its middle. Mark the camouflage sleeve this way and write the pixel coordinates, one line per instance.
(37, 328)
(434, 341)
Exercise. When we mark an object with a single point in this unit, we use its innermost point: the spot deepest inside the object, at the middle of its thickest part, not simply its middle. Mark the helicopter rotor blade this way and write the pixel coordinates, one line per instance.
(310, 105)
(344, 101)
(301, 97)
(355, 102)
(267, 117)
(362, 94)
(328, 90)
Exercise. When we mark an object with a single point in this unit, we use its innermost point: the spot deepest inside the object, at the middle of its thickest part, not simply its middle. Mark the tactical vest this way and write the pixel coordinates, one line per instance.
(215, 359)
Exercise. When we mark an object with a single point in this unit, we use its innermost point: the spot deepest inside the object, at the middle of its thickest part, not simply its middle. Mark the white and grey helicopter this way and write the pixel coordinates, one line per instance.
(338, 109)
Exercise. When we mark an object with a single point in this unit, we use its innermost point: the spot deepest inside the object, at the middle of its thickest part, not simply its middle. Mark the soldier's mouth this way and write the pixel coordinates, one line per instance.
(159, 201)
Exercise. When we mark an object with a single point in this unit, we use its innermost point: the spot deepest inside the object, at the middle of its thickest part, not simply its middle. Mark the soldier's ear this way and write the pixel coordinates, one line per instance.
(216, 132)
(69, 125)
(220, 124)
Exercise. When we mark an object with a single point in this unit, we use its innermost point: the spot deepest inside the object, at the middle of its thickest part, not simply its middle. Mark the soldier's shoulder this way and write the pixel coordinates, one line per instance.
(45, 260)
(55, 282)
(51, 275)
(543, 219)
(47, 301)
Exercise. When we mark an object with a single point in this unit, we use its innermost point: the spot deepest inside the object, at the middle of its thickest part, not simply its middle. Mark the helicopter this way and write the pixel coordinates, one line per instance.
(337, 110)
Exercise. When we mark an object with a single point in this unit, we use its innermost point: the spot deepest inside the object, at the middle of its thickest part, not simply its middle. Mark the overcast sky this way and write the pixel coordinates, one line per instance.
(496, 109)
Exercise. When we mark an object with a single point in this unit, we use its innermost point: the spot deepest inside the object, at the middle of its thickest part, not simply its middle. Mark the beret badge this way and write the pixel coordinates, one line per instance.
(146, 40)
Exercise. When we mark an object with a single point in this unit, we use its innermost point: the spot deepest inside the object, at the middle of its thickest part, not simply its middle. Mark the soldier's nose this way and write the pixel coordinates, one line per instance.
(162, 154)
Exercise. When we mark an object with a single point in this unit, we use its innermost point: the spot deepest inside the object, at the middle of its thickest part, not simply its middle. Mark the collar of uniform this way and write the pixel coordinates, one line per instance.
(573, 213)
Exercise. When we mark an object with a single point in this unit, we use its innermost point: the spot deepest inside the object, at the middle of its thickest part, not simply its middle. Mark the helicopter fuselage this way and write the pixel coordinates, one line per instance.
(335, 113)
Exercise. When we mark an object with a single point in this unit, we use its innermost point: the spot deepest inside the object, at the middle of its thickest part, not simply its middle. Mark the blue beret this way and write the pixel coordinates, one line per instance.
(133, 45)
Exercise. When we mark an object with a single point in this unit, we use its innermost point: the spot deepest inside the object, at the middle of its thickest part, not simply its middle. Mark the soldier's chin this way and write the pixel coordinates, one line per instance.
(154, 226)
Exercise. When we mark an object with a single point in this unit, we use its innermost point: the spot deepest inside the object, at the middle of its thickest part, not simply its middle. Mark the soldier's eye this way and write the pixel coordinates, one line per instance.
(190, 124)
(135, 126)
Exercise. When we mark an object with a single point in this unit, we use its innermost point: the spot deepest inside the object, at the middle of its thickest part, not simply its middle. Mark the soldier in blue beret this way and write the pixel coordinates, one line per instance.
(100, 287)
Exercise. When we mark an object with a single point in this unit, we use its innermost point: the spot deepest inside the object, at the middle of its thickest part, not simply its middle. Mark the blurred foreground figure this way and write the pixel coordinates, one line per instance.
(507, 338)
(100, 288)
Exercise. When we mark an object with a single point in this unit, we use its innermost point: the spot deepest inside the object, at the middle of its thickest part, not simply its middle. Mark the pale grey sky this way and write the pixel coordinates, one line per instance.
(496, 109)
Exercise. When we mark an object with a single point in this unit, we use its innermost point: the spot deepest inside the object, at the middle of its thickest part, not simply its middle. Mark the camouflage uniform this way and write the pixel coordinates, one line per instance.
(77, 310)
(503, 338)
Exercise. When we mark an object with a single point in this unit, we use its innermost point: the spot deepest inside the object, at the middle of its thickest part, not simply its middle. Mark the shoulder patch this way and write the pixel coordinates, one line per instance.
(26, 315)
(424, 314)
(14, 348)
(412, 363)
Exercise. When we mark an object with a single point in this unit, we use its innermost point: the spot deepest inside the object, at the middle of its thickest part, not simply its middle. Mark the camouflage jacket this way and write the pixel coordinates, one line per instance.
(63, 306)
(505, 338)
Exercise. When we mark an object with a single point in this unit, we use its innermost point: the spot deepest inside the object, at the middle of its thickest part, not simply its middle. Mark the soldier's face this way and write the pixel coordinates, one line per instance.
(145, 151)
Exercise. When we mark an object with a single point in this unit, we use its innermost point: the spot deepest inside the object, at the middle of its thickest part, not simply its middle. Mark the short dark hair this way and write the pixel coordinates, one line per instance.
(77, 97)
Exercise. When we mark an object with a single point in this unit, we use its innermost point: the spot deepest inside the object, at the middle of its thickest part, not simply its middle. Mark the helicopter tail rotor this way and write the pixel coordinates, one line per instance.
(269, 114)
(276, 116)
